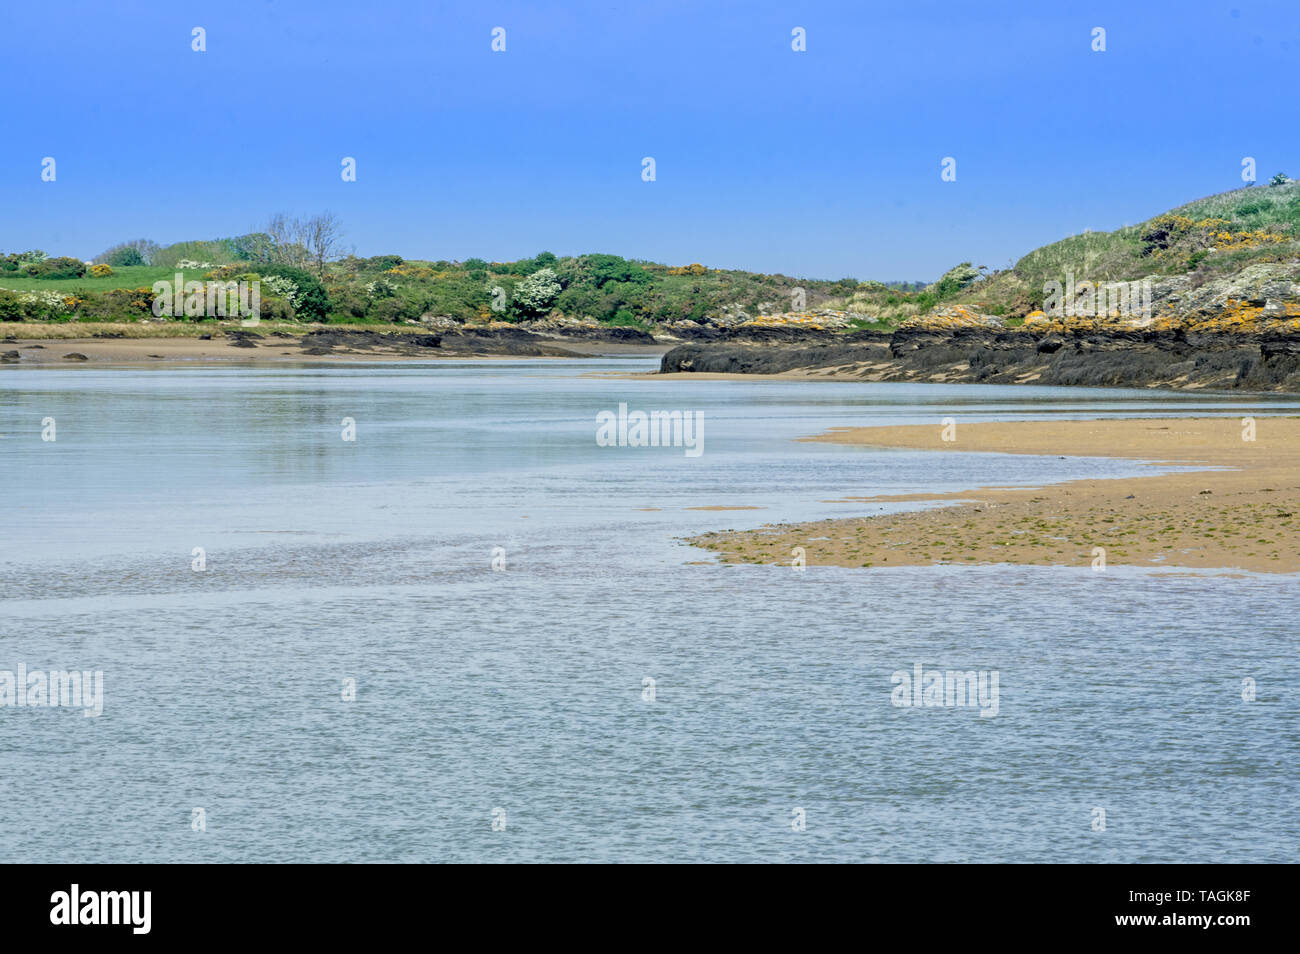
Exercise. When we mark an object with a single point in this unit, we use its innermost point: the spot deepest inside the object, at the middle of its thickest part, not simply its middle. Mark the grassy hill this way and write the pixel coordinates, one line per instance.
(130, 276)
(1211, 237)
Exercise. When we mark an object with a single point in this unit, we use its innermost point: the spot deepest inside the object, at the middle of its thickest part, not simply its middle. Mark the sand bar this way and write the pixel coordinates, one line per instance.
(219, 350)
(1246, 516)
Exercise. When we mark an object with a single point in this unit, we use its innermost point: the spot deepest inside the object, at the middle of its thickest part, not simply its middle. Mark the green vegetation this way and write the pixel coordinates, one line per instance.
(304, 278)
(388, 289)
(1211, 237)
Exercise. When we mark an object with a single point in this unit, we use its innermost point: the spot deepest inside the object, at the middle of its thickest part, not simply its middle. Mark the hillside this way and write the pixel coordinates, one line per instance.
(1237, 246)
(388, 289)
(1208, 239)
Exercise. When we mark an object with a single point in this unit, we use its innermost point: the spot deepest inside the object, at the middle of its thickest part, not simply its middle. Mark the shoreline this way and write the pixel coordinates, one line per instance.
(1244, 516)
(273, 349)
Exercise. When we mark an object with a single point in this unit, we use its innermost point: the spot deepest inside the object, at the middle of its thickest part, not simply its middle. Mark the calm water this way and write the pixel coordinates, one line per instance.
(522, 689)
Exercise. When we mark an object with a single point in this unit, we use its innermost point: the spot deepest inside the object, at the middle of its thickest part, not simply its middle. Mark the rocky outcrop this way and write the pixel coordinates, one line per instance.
(1131, 358)
(486, 341)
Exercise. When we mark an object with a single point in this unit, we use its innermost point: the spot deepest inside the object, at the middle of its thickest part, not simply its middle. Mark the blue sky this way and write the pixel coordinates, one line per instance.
(824, 163)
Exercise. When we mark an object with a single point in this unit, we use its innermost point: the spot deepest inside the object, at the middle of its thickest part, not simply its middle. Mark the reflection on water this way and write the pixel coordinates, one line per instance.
(522, 689)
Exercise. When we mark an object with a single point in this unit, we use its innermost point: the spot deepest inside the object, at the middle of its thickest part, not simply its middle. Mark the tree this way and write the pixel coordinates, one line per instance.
(253, 247)
(536, 293)
(310, 300)
(1280, 179)
(321, 236)
(61, 267)
(284, 246)
(135, 252)
(610, 268)
(303, 243)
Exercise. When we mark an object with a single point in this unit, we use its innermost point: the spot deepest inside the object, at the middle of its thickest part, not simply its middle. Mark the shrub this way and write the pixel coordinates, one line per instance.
(125, 254)
(274, 309)
(312, 303)
(1163, 231)
(117, 304)
(100, 271)
(349, 303)
(61, 267)
(127, 257)
(536, 293)
(955, 280)
(10, 308)
(602, 269)
(172, 255)
(393, 310)
(380, 288)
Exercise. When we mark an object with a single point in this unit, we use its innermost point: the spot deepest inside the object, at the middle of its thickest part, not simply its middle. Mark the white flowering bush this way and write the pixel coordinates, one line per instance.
(281, 286)
(189, 263)
(33, 303)
(380, 288)
(537, 292)
(47, 299)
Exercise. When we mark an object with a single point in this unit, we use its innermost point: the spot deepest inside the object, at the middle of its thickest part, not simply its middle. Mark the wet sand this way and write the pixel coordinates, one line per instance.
(134, 352)
(1245, 516)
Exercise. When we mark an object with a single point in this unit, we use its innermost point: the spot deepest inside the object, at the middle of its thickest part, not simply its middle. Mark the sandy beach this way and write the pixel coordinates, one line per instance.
(273, 347)
(1244, 516)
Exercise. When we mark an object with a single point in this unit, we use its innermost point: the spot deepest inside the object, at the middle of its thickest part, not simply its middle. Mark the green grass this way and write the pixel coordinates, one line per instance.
(1254, 207)
(861, 324)
(1117, 255)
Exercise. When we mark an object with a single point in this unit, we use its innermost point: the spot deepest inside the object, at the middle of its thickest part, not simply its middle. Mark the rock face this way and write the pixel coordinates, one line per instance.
(504, 341)
(1132, 358)
(1237, 331)
(950, 319)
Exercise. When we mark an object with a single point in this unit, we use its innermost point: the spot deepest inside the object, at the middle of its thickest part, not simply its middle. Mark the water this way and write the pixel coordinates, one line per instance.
(522, 690)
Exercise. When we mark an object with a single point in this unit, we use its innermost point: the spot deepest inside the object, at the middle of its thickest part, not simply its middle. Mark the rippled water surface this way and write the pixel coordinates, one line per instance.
(522, 690)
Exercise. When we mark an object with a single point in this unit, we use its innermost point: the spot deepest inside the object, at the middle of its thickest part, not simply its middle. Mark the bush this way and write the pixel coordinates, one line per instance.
(275, 309)
(10, 308)
(313, 302)
(124, 256)
(603, 269)
(348, 303)
(955, 280)
(117, 304)
(24, 262)
(171, 256)
(100, 271)
(394, 310)
(127, 257)
(536, 293)
(61, 267)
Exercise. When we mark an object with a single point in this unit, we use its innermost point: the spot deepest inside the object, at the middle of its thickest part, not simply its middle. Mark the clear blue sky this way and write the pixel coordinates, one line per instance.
(817, 164)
